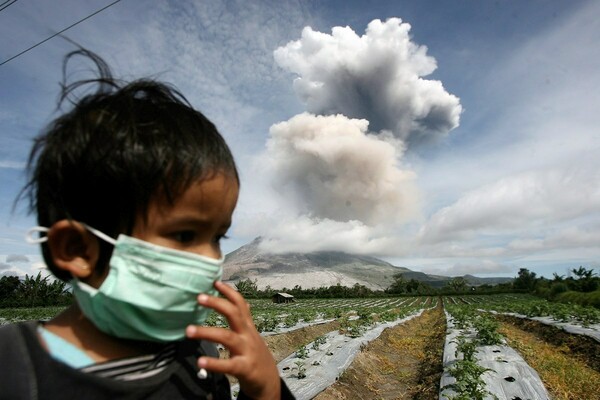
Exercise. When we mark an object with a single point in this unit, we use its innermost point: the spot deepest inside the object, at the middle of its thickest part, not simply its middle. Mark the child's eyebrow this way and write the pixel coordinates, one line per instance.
(197, 220)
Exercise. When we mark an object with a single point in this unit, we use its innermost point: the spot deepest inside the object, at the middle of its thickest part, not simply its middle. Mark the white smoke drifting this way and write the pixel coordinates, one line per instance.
(339, 171)
(340, 164)
(377, 76)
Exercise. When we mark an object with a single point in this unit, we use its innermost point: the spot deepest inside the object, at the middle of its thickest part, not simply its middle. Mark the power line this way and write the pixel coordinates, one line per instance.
(58, 33)
(4, 5)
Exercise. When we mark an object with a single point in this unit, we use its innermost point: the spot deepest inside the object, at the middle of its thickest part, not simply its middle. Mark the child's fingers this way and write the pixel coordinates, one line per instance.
(212, 334)
(226, 337)
(223, 366)
(237, 312)
(230, 293)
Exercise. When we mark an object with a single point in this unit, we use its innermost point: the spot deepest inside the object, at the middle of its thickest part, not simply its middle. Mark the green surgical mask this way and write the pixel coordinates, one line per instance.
(150, 292)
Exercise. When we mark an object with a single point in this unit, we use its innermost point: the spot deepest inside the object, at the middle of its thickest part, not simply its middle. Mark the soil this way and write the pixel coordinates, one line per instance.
(284, 344)
(584, 348)
(405, 362)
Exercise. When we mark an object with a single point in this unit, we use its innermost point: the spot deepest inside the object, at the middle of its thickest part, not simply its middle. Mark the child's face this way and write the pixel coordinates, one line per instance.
(196, 221)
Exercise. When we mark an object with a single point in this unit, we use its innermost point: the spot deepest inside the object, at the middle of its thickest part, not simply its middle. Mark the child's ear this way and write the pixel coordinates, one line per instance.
(73, 248)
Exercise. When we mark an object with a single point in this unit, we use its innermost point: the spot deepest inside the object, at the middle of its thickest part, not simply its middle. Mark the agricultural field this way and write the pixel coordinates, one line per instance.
(461, 347)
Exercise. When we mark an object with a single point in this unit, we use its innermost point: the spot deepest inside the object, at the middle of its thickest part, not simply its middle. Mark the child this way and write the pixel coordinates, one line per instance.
(134, 190)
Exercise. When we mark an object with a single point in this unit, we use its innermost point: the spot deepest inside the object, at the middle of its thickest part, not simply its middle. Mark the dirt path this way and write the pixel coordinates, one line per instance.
(284, 344)
(584, 348)
(405, 362)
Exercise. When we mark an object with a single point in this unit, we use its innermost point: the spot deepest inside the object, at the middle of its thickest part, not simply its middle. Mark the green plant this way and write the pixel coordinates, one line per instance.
(301, 369)
(302, 352)
(466, 347)
(487, 330)
(469, 385)
(318, 342)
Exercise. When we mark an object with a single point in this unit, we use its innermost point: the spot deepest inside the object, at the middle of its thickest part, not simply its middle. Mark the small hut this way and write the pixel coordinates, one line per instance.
(282, 298)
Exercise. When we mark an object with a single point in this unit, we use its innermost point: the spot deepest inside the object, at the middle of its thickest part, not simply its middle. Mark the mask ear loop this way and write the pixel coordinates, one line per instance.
(29, 238)
(100, 235)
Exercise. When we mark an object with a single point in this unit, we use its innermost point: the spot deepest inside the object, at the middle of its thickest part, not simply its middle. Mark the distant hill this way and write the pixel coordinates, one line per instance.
(323, 268)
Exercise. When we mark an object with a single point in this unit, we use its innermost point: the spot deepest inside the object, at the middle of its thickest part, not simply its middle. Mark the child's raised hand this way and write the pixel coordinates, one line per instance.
(250, 360)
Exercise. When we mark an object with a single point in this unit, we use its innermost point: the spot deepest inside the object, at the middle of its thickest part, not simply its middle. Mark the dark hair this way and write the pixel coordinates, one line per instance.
(118, 149)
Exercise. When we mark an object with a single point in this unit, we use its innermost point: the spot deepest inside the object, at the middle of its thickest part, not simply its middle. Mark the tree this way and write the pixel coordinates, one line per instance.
(398, 286)
(458, 284)
(247, 288)
(587, 280)
(525, 280)
(8, 286)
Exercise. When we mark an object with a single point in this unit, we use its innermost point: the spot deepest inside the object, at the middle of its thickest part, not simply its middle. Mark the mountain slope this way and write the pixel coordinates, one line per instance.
(324, 268)
(307, 270)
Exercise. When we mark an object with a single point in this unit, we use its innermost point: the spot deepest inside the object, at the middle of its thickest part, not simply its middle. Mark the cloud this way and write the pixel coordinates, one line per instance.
(12, 258)
(5, 266)
(377, 76)
(518, 203)
(568, 238)
(334, 169)
(305, 234)
(12, 164)
(483, 267)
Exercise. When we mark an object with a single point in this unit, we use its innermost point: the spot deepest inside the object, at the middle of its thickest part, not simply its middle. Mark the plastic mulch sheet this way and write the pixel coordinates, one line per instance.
(323, 367)
(510, 376)
(592, 331)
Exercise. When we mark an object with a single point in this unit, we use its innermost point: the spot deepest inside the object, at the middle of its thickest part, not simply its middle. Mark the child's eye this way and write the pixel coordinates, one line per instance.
(184, 236)
(218, 238)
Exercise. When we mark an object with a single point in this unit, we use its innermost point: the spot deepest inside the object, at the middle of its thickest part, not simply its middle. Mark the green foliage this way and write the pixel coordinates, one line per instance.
(402, 286)
(351, 328)
(301, 369)
(525, 280)
(8, 287)
(291, 320)
(469, 385)
(33, 291)
(586, 281)
(487, 330)
(318, 342)
(247, 288)
(580, 298)
(266, 323)
(11, 315)
(302, 352)
(457, 285)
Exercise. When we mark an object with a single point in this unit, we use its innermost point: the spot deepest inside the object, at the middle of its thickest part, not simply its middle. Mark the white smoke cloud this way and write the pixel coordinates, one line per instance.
(522, 201)
(336, 170)
(377, 76)
(306, 234)
(339, 165)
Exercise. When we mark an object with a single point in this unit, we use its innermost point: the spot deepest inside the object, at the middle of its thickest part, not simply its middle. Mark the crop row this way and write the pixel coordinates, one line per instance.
(479, 365)
(531, 306)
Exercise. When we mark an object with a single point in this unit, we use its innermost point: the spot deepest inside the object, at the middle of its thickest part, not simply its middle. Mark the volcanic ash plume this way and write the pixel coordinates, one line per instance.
(377, 76)
(340, 171)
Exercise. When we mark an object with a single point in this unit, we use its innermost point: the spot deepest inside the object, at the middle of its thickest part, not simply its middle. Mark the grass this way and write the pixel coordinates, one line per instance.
(11, 315)
(565, 376)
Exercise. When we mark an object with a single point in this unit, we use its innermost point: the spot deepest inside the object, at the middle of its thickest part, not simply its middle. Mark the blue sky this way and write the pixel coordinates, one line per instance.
(449, 137)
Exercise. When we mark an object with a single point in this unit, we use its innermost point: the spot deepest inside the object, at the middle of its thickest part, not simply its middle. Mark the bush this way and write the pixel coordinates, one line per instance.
(591, 299)
(558, 288)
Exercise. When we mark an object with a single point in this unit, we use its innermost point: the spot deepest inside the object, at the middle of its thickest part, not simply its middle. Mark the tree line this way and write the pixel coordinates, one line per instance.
(582, 286)
(33, 291)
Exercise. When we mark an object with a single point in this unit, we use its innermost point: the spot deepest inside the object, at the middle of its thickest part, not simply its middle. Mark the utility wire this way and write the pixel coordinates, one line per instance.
(58, 33)
(3, 6)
